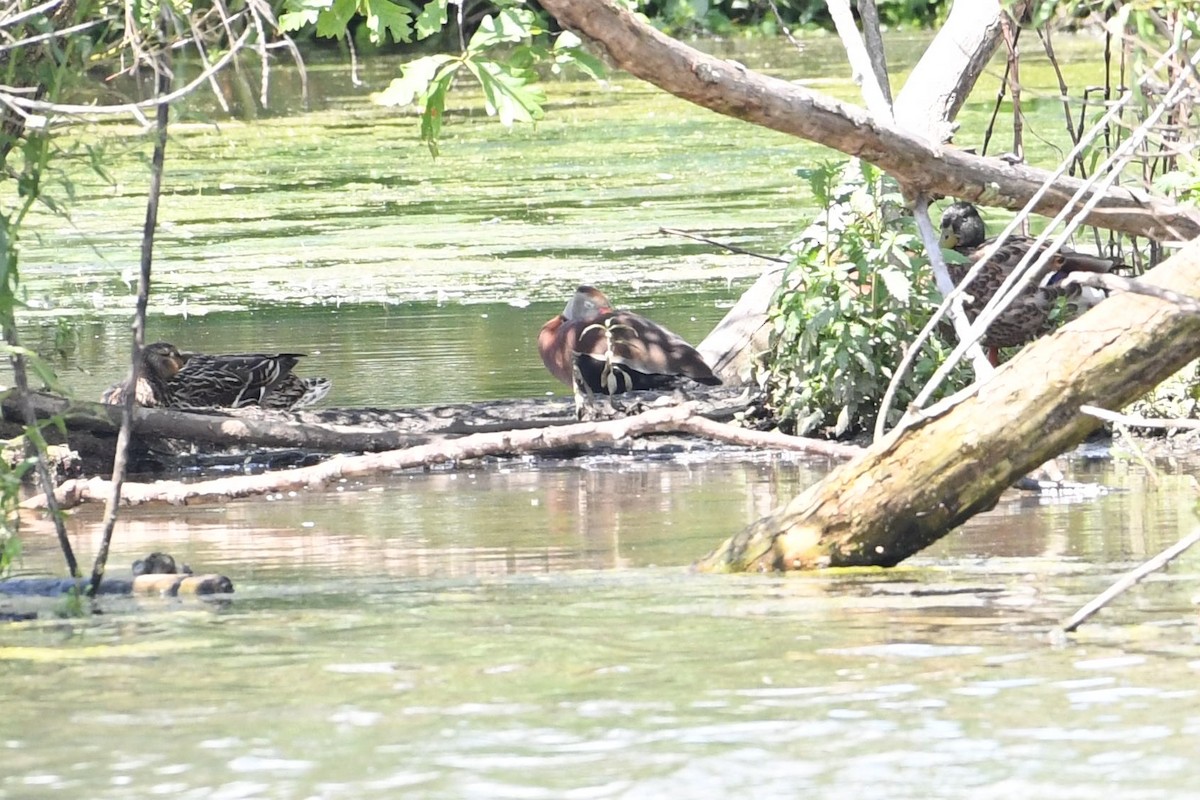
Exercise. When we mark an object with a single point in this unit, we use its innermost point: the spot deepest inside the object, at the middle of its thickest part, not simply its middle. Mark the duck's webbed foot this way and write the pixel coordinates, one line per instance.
(588, 406)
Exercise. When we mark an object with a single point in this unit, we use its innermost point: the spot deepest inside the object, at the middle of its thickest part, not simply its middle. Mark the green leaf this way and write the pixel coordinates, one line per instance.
(302, 12)
(295, 20)
(897, 283)
(431, 19)
(435, 107)
(510, 25)
(415, 79)
(567, 41)
(386, 18)
(507, 95)
(582, 60)
(332, 21)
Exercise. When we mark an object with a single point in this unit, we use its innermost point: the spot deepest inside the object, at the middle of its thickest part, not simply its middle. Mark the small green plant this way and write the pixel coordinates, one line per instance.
(856, 294)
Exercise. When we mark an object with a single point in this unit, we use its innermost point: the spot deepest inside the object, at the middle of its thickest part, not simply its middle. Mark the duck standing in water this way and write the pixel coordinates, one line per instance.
(1029, 316)
(616, 351)
(171, 379)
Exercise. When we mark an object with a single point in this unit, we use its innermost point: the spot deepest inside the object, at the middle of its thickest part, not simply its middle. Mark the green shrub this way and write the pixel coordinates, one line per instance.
(857, 292)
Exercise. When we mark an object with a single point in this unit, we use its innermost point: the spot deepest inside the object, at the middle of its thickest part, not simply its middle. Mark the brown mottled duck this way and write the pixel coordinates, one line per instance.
(171, 379)
(1029, 316)
(616, 351)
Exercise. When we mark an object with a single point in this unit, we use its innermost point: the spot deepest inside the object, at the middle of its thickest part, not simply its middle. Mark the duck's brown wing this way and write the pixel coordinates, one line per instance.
(629, 351)
(1030, 315)
(292, 391)
(233, 381)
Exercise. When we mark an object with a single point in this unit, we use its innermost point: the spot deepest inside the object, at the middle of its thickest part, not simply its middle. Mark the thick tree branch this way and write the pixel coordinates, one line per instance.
(920, 165)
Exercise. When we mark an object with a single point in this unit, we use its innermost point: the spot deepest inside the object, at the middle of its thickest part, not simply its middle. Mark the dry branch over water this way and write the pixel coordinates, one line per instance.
(920, 165)
(678, 418)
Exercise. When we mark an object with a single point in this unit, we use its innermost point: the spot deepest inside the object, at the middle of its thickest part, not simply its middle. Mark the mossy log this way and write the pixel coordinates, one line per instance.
(914, 486)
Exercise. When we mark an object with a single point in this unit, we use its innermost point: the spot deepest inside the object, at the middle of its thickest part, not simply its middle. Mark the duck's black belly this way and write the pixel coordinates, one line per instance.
(614, 377)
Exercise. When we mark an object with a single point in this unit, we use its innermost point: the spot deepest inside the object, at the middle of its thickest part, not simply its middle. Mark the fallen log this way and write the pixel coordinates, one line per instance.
(170, 437)
(915, 485)
(541, 440)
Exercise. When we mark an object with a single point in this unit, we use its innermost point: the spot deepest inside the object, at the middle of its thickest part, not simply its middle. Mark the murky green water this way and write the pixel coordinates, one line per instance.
(529, 629)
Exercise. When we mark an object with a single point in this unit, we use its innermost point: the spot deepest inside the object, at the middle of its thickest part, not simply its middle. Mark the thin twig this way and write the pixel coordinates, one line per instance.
(1063, 93)
(41, 37)
(162, 84)
(126, 108)
(730, 247)
(198, 41)
(1140, 422)
(37, 444)
(1130, 579)
(29, 12)
(787, 32)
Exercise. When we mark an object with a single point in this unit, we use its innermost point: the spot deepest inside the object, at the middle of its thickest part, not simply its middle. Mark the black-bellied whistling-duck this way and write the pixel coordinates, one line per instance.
(172, 379)
(616, 351)
(1029, 316)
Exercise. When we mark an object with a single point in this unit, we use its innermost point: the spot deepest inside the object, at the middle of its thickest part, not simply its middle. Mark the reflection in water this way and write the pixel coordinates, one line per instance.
(479, 633)
(531, 517)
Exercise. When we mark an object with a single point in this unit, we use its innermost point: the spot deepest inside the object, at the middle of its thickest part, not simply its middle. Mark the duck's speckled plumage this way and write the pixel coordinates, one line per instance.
(1030, 314)
(172, 379)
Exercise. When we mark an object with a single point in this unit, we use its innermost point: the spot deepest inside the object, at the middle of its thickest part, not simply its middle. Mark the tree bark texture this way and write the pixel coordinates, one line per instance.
(942, 80)
(913, 486)
(920, 165)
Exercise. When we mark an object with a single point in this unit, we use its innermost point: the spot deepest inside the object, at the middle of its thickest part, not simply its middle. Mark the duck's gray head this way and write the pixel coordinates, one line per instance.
(588, 302)
(962, 227)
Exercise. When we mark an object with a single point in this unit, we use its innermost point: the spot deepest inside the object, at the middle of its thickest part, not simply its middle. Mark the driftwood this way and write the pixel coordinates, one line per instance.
(678, 418)
(915, 485)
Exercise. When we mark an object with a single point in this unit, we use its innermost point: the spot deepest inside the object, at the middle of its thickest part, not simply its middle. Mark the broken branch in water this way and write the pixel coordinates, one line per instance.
(1140, 422)
(1130, 579)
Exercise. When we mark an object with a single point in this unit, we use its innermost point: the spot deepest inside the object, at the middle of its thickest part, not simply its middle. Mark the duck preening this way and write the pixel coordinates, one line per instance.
(172, 379)
(616, 351)
(1029, 316)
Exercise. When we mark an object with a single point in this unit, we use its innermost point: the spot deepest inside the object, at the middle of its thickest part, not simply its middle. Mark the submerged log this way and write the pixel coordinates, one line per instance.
(915, 485)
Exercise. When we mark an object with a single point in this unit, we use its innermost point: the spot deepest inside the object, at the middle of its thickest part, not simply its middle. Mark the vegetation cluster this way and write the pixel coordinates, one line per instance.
(857, 291)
